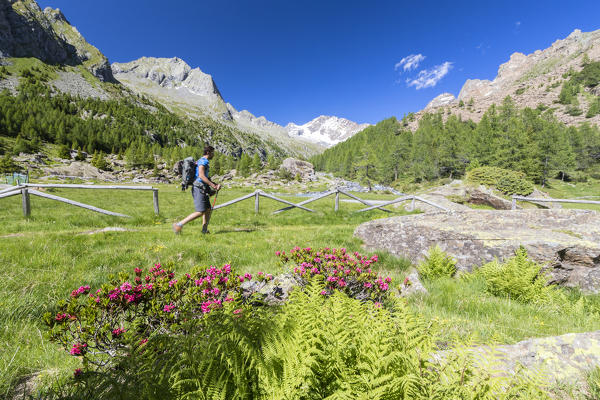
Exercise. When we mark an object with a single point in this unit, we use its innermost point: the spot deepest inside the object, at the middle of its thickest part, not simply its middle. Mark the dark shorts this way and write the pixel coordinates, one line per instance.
(201, 200)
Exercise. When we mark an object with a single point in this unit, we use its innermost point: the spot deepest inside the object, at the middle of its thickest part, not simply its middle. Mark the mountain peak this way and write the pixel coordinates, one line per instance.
(325, 130)
(27, 31)
(531, 80)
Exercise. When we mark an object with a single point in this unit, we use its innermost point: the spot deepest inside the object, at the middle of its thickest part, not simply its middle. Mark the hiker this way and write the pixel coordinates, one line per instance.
(201, 190)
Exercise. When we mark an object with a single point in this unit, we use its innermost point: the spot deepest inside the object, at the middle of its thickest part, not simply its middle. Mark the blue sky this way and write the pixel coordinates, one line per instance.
(292, 61)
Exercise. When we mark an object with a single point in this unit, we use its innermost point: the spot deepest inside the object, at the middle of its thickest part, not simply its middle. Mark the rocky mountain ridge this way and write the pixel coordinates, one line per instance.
(172, 82)
(531, 80)
(27, 31)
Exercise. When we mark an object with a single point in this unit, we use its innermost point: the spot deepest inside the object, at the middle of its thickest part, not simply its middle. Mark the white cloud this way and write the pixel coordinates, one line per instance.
(430, 77)
(409, 63)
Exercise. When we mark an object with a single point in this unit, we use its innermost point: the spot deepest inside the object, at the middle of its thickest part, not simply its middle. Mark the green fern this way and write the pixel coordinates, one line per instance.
(437, 264)
(522, 279)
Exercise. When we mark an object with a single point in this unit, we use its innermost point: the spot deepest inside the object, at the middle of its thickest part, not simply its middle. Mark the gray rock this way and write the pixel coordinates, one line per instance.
(412, 285)
(567, 240)
(556, 359)
(299, 167)
(273, 292)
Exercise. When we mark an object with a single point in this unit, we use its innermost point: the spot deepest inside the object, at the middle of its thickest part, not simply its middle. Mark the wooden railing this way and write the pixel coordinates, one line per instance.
(26, 189)
(337, 192)
(521, 198)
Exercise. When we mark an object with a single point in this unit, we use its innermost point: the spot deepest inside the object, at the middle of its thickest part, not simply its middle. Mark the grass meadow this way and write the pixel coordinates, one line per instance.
(49, 254)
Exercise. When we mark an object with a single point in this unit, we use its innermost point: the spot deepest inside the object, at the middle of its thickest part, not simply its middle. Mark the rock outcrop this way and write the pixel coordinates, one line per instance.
(555, 359)
(531, 80)
(568, 241)
(295, 167)
(27, 31)
(174, 81)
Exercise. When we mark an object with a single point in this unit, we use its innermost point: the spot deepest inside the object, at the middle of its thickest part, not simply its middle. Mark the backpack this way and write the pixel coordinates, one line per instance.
(188, 172)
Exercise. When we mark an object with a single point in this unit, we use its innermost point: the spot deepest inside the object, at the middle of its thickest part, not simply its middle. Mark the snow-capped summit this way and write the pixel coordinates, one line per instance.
(325, 130)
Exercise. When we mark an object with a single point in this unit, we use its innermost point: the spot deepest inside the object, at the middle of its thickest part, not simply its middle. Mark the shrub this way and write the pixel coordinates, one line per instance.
(7, 165)
(313, 347)
(99, 161)
(64, 152)
(120, 317)
(521, 279)
(284, 174)
(507, 181)
(341, 271)
(437, 264)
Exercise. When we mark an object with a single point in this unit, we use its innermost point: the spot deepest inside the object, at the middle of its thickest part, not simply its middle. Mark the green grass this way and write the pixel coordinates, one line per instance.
(46, 256)
(16, 65)
(589, 190)
(49, 254)
(464, 309)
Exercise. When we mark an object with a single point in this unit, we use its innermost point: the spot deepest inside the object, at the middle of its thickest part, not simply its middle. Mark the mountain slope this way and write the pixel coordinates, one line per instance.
(191, 92)
(534, 80)
(27, 31)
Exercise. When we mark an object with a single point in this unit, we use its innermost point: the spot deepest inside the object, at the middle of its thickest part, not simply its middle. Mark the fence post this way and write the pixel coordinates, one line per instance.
(337, 200)
(155, 198)
(256, 201)
(514, 203)
(26, 203)
(412, 204)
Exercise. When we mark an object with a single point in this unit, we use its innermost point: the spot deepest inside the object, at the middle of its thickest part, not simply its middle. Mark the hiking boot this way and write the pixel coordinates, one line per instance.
(205, 232)
(177, 228)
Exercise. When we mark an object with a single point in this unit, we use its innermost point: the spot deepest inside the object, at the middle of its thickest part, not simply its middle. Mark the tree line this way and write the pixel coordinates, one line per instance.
(132, 127)
(528, 140)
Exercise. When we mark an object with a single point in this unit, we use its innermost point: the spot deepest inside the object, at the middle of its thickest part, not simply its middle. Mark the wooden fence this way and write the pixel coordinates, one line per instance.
(337, 192)
(26, 189)
(521, 198)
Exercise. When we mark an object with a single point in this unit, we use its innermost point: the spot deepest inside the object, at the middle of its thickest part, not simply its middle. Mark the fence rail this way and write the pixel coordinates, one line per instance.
(521, 198)
(26, 189)
(337, 192)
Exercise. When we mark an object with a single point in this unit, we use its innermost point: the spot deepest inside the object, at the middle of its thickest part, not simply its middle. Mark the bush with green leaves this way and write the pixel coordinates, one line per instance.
(437, 264)
(505, 180)
(313, 347)
(349, 273)
(7, 165)
(120, 316)
(521, 279)
(99, 161)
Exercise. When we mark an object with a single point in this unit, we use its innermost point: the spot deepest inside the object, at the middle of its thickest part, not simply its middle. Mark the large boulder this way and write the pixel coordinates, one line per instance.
(556, 359)
(568, 241)
(299, 167)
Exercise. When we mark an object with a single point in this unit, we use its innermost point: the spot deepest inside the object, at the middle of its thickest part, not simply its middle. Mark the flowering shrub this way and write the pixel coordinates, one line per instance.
(120, 317)
(341, 271)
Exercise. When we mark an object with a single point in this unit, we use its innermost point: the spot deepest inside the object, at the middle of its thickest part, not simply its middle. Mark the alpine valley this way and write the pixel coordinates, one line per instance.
(539, 116)
(41, 53)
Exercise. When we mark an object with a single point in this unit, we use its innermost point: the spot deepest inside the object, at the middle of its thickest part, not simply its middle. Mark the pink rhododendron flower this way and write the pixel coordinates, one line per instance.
(239, 310)
(118, 331)
(138, 271)
(169, 307)
(78, 349)
(77, 373)
(172, 283)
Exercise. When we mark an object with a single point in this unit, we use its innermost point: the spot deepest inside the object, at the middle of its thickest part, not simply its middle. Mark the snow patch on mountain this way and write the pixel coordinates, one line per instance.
(325, 130)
